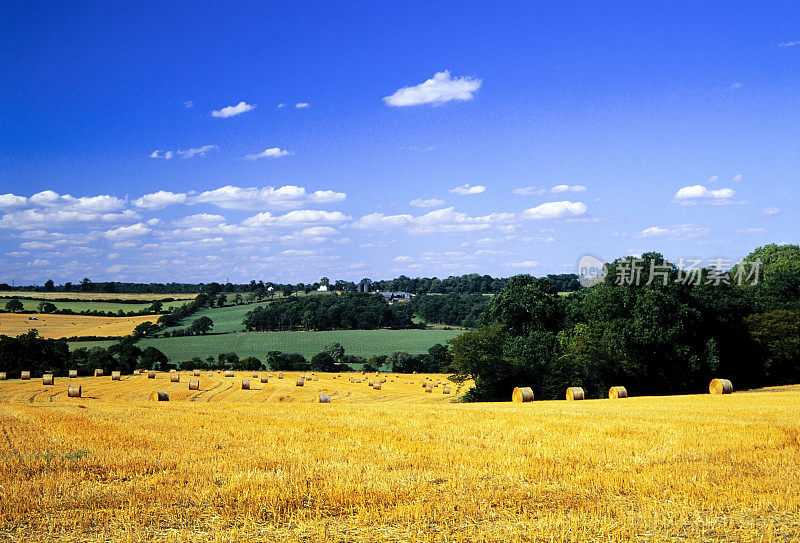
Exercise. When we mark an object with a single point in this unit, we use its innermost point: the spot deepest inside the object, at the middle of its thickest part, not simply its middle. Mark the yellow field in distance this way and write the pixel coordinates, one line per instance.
(58, 326)
(399, 464)
(95, 296)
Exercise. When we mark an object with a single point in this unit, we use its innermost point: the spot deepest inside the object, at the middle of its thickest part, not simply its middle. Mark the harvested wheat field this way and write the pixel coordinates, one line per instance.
(398, 464)
(95, 296)
(58, 326)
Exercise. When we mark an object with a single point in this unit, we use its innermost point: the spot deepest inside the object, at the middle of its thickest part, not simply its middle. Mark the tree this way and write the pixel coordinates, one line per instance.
(324, 281)
(201, 326)
(49, 286)
(86, 284)
(67, 286)
(155, 307)
(323, 362)
(335, 350)
(14, 305)
(46, 307)
(152, 358)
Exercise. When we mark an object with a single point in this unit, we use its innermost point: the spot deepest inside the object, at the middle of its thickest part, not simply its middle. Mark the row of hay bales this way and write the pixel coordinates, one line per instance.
(525, 394)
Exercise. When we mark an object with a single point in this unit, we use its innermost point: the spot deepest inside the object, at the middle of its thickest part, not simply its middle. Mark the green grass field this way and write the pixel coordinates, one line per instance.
(226, 319)
(77, 307)
(356, 342)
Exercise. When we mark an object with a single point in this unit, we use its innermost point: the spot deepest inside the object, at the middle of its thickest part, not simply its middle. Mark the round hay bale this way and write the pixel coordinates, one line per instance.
(358, 381)
(73, 374)
(98, 372)
(159, 397)
(264, 379)
(48, 379)
(376, 386)
(300, 381)
(245, 384)
(383, 380)
(74, 391)
(575, 393)
(315, 378)
(151, 374)
(424, 384)
(211, 374)
(194, 384)
(411, 382)
(617, 392)
(116, 376)
(446, 389)
(429, 389)
(255, 376)
(323, 398)
(174, 377)
(2, 376)
(720, 386)
(25, 375)
(196, 373)
(372, 382)
(229, 373)
(280, 375)
(522, 394)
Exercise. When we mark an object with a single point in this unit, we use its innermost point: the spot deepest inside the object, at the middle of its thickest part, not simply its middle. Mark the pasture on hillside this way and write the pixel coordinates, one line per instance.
(398, 464)
(356, 342)
(88, 305)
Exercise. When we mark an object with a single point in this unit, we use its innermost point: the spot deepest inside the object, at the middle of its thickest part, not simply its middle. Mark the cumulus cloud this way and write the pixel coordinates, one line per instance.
(126, 232)
(558, 189)
(525, 264)
(48, 208)
(694, 193)
(160, 199)
(200, 219)
(440, 221)
(288, 196)
(555, 210)
(296, 217)
(312, 234)
(272, 152)
(231, 111)
(439, 89)
(302, 105)
(433, 202)
(8, 201)
(684, 231)
(188, 153)
(468, 189)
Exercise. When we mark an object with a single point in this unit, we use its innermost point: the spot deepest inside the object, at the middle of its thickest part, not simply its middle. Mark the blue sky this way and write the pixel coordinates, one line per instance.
(285, 142)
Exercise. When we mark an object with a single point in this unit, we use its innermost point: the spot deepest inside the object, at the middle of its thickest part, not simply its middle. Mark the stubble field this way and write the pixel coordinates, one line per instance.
(58, 326)
(399, 464)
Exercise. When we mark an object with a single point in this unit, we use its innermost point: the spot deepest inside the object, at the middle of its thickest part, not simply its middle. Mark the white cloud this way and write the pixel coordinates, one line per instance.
(402, 259)
(557, 189)
(189, 153)
(272, 152)
(555, 210)
(792, 43)
(230, 111)
(756, 230)
(297, 217)
(699, 192)
(770, 211)
(713, 178)
(188, 104)
(200, 219)
(528, 191)
(440, 221)
(281, 105)
(683, 231)
(737, 177)
(302, 105)
(160, 199)
(468, 189)
(379, 221)
(567, 188)
(313, 234)
(524, 264)
(439, 89)
(52, 209)
(433, 202)
(288, 196)
(8, 201)
(126, 232)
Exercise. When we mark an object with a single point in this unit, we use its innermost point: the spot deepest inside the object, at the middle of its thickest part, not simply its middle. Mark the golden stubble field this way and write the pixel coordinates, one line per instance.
(225, 464)
(57, 326)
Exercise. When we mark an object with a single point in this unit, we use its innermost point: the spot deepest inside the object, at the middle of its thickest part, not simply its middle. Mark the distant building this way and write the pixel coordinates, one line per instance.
(392, 297)
(323, 288)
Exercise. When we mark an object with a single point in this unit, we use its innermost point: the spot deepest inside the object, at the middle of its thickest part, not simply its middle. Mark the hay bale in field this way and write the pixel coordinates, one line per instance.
(446, 389)
(358, 381)
(383, 380)
(116, 376)
(194, 384)
(2, 376)
(575, 393)
(372, 382)
(25, 375)
(428, 389)
(175, 377)
(264, 379)
(255, 375)
(245, 384)
(159, 397)
(280, 375)
(74, 391)
(322, 398)
(522, 394)
(315, 378)
(98, 372)
(229, 373)
(196, 373)
(48, 379)
(424, 384)
(411, 382)
(376, 386)
(436, 384)
(151, 374)
(720, 386)
(73, 374)
(300, 381)
(617, 392)
(211, 374)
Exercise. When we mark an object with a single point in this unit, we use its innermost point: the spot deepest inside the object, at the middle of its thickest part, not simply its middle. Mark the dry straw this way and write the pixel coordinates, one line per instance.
(245, 384)
(73, 374)
(174, 377)
(229, 373)
(264, 379)
(151, 374)
(522, 394)
(300, 381)
(575, 393)
(617, 392)
(25, 375)
(159, 397)
(323, 398)
(74, 391)
(720, 386)
(194, 384)
(98, 372)
(47, 379)
(116, 376)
